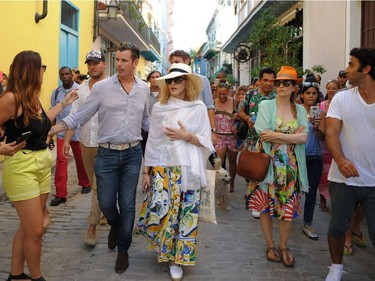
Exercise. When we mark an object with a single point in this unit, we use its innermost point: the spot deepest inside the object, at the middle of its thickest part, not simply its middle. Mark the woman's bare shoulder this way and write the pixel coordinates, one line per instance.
(7, 104)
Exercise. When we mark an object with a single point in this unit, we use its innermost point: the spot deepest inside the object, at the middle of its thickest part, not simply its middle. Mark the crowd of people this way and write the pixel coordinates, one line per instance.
(317, 142)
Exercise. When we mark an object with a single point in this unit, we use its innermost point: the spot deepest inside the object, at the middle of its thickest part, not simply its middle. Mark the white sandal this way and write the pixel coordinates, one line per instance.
(176, 272)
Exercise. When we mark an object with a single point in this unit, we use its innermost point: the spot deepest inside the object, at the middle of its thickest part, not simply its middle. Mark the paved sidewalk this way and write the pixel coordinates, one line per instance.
(231, 250)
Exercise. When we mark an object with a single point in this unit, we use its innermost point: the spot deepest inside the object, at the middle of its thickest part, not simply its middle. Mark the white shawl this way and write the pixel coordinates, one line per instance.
(160, 151)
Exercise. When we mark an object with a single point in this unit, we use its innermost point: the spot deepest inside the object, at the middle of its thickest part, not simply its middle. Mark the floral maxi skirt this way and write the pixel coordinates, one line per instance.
(169, 217)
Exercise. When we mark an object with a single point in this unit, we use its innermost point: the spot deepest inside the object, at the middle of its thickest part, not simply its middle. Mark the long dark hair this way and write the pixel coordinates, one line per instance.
(25, 83)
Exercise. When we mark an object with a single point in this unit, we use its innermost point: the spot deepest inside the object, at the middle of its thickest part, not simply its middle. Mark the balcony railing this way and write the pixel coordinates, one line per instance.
(129, 10)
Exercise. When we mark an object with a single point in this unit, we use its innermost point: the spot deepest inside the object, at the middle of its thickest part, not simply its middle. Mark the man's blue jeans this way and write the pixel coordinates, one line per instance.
(314, 173)
(117, 175)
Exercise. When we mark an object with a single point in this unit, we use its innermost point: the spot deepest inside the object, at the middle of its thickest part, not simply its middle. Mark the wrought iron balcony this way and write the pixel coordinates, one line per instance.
(130, 12)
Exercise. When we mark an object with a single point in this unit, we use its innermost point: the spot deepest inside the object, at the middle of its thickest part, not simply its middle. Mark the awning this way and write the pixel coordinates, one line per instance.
(210, 54)
(151, 55)
(241, 35)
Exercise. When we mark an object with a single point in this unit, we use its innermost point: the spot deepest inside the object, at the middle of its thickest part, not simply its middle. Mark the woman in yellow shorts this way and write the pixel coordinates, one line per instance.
(27, 174)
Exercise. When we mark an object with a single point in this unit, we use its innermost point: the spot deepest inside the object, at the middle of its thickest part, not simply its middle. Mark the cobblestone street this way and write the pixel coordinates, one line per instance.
(231, 250)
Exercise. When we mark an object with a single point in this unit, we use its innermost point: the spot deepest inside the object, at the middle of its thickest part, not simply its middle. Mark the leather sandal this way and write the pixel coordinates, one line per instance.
(287, 262)
(358, 239)
(276, 256)
(348, 250)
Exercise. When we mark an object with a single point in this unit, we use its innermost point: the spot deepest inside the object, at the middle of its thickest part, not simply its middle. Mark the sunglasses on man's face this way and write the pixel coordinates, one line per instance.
(285, 83)
(176, 80)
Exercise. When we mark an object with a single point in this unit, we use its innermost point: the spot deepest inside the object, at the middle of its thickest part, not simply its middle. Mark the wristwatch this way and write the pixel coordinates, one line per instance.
(214, 130)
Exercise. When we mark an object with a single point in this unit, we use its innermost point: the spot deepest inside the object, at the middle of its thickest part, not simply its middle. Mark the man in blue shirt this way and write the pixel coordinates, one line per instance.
(180, 56)
(121, 102)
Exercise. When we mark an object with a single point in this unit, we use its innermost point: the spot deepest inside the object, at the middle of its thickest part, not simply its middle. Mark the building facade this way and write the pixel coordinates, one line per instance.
(329, 30)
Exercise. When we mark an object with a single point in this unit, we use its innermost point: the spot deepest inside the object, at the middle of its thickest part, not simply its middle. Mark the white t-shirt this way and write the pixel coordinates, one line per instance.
(357, 136)
(89, 131)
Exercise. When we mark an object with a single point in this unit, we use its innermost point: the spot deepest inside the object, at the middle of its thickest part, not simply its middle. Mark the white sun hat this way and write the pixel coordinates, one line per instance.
(181, 69)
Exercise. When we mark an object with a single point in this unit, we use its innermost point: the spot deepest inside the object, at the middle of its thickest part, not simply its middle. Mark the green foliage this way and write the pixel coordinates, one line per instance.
(278, 45)
(315, 69)
(231, 80)
(193, 54)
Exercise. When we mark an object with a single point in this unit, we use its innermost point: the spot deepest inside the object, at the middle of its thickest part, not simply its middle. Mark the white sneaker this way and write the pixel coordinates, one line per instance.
(176, 272)
(255, 214)
(335, 273)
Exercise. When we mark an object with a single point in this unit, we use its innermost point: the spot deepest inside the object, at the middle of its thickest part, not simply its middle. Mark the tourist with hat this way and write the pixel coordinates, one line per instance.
(179, 144)
(342, 77)
(282, 126)
(88, 138)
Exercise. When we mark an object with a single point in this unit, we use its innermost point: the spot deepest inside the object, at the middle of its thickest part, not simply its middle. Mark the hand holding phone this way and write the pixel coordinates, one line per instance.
(23, 137)
(314, 112)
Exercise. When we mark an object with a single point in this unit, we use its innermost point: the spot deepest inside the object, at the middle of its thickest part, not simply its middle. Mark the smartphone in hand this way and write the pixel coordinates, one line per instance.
(23, 137)
(314, 112)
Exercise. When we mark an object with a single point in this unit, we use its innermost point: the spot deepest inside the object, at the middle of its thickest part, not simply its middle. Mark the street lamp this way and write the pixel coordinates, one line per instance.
(112, 10)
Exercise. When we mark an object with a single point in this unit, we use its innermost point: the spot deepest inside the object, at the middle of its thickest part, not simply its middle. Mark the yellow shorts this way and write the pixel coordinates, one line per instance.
(26, 176)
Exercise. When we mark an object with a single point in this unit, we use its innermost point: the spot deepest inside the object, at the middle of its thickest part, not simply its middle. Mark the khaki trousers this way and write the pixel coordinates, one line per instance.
(88, 158)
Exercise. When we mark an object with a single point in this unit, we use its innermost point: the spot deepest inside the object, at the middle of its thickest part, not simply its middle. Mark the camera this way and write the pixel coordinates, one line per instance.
(83, 77)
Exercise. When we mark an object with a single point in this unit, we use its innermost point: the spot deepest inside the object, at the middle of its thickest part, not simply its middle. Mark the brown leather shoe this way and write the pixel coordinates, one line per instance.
(112, 238)
(122, 262)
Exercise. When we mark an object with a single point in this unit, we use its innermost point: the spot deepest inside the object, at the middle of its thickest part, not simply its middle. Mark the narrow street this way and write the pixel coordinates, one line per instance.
(231, 250)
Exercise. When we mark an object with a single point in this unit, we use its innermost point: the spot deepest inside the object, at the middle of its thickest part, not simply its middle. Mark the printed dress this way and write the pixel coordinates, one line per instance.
(282, 199)
(169, 217)
(224, 123)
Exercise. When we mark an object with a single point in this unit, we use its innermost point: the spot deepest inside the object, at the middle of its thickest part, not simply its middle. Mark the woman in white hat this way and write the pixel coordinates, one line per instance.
(178, 146)
(283, 129)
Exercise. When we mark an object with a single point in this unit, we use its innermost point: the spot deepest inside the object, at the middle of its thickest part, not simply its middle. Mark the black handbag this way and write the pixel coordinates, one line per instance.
(242, 130)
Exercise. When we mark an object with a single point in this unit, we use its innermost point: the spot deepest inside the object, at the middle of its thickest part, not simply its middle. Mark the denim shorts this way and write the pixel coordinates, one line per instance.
(27, 174)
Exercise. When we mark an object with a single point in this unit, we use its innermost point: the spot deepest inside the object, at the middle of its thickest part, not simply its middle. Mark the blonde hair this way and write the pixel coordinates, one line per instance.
(191, 92)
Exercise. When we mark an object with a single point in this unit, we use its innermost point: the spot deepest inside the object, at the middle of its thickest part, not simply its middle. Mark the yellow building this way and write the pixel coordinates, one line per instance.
(63, 37)
(67, 30)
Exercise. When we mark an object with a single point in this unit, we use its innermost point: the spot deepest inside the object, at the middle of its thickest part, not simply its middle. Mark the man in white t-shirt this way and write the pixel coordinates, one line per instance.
(96, 65)
(350, 136)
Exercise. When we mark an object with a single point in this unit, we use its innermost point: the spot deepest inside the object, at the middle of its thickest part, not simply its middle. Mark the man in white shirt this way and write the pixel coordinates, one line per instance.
(154, 92)
(95, 61)
(350, 135)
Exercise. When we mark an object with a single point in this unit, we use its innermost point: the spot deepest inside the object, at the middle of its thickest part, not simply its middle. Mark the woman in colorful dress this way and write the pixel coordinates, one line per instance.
(282, 126)
(178, 146)
(226, 141)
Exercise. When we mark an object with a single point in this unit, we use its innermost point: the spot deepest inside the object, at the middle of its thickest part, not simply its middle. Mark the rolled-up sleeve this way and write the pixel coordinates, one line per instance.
(84, 113)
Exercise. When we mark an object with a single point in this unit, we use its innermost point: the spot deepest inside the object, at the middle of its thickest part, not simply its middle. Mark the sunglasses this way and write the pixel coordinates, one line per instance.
(311, 84)
(44, 67)
(223, 85)
(285, 83)
(176, 80)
